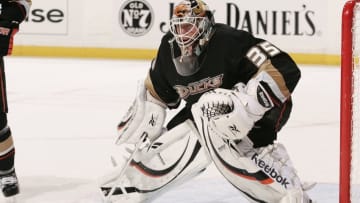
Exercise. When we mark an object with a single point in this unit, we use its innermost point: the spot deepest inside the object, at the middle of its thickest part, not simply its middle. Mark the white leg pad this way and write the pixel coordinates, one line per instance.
(262, 175)
(171, 159)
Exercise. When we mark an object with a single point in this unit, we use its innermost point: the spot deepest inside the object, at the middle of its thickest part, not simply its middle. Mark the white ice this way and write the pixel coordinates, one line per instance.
(63, 115)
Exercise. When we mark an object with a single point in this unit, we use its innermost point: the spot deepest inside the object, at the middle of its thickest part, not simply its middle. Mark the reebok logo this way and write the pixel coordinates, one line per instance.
(234, 129)
(263, 98)
(270, 171)
(152, 121)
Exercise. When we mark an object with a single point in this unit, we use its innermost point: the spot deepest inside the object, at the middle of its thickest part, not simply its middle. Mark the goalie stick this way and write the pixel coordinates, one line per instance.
(117, 179)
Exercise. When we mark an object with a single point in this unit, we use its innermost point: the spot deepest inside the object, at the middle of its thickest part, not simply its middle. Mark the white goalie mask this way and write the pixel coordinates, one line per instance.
(191, 25)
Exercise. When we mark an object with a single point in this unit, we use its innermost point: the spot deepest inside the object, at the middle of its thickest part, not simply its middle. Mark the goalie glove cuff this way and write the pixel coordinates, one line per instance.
(254, 97)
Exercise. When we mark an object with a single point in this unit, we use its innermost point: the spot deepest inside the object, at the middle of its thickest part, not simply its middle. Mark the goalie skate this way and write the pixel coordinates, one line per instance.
(9, 185)
(173, 158)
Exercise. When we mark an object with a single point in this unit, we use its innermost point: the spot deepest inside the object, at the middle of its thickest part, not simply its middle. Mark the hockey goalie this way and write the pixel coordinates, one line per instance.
(235, 91)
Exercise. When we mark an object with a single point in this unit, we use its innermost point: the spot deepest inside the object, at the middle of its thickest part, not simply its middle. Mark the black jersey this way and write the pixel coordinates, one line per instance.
(230, 57)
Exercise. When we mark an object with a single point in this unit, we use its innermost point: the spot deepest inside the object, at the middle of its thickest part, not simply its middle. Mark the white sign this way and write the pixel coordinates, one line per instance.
(47, 17)
(296, 26)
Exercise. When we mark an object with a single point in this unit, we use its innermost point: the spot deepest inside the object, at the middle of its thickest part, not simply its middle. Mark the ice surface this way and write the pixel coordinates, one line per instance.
(63, 114)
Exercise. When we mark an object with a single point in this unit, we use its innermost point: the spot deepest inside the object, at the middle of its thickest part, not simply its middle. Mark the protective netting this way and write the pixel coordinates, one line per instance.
(214, 109)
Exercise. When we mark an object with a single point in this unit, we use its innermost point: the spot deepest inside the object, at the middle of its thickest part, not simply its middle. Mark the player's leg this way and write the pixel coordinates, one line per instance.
(8, 179)
(262, 174)
(174, 157)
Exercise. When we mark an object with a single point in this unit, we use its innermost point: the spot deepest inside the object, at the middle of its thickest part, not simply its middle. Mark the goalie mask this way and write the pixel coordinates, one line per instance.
(192, 26)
